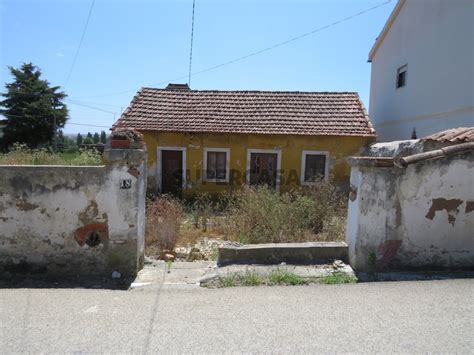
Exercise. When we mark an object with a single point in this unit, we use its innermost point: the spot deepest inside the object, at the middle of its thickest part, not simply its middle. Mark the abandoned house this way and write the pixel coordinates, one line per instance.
(200, 140)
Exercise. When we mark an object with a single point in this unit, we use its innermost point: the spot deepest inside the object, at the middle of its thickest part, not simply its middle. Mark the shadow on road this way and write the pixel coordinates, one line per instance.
(413, 275)
(74, 281)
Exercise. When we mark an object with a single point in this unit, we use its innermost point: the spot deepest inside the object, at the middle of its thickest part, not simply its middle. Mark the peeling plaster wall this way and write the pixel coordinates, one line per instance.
(74, 220)
(420, 217)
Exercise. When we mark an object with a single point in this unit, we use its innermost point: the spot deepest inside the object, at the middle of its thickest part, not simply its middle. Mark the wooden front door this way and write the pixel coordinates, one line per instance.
(263, 169)
(171, 172)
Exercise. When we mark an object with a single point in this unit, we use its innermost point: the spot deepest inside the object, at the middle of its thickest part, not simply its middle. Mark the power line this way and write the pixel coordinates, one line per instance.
(67, 122)
(291, 39)
(89, 107)
(95, 103)
(252, 54)
(88, 125)
(75, 102)
(191, 49)
(80, 43)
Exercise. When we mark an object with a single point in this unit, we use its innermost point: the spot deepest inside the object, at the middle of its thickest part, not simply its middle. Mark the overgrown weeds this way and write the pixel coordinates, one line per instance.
(284, 277)
(164, 216)
(201, 210)
(252, 215)
(372, 266)
(278, 277)
(20, 154)
(338, 277)
(263, 215)
(253, 278)
(228, 281)
(247, 278)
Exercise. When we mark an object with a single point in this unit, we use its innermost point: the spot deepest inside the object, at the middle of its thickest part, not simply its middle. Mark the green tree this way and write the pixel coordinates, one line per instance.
(60, 137)
(96, 138)
(103, 137)
(79, 139)
(88, 140)
(31, 106)
(89, 135)
(69, 145)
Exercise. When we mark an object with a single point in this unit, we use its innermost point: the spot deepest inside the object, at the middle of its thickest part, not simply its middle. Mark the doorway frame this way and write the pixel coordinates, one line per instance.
(159, 164)
(264, 151)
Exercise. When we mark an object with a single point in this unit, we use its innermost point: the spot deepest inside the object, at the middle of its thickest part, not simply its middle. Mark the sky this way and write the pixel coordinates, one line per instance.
(129, 44)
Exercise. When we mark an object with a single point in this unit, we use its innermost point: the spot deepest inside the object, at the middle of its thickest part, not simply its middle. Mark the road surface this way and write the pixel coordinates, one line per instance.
(422, 316)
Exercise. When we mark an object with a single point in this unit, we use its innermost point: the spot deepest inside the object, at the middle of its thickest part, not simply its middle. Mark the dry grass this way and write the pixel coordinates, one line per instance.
(262, 215)
(20, 154)
(190, 234)
(164, 216)
(251, 216)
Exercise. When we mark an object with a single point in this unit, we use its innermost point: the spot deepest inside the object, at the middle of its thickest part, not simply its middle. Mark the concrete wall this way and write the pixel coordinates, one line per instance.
(419, 217)
(339, 148)
(435, 39)
(71, 220)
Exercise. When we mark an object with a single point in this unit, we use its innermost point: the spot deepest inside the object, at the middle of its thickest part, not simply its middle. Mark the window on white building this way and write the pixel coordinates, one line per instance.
(401, 76)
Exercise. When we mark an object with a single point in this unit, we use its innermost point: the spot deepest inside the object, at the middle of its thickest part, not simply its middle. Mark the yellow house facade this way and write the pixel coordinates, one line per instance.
(213, 141)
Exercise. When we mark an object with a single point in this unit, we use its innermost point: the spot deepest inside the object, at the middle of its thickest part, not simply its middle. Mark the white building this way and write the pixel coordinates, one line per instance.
(423, 69)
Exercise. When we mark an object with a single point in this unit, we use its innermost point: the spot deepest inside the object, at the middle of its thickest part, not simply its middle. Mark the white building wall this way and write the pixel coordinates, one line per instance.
(435, 39)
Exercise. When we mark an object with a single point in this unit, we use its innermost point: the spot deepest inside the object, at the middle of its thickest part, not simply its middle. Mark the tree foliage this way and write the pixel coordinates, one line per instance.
(31, 106)
(88, 140)
(103, 137)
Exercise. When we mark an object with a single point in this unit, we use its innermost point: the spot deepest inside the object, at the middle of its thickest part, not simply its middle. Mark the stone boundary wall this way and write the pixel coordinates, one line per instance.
(418, 217)
(74, 220)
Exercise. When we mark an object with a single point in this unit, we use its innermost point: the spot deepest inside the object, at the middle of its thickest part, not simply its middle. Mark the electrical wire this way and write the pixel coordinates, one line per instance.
(67, 122)
(293, 39)
(88, 125)
(95, 103)
(80, 43)
(191, 49)
(73, 102)
(252, 54)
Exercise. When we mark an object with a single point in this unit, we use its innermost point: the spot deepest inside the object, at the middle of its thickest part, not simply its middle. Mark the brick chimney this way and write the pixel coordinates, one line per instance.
(180, 87)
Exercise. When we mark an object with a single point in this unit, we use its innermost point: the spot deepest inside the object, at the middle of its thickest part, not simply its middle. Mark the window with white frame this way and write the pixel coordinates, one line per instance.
(216, 164)
(314, 166)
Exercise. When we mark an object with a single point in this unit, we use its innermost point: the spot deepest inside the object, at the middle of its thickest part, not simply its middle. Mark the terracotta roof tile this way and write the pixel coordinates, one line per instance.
(261, 112)
(454, 135)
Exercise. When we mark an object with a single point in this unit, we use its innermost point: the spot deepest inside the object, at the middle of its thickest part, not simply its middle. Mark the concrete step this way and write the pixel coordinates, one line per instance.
(276, 253)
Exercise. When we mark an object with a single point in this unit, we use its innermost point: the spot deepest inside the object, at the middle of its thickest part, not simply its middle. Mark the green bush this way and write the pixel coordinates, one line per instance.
(87, 157)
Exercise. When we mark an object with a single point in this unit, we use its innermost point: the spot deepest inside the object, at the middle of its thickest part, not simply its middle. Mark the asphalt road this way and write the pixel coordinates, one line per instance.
(423, 316)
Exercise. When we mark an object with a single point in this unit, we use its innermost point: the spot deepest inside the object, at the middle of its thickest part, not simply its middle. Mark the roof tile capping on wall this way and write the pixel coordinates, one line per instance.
(74, 220)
